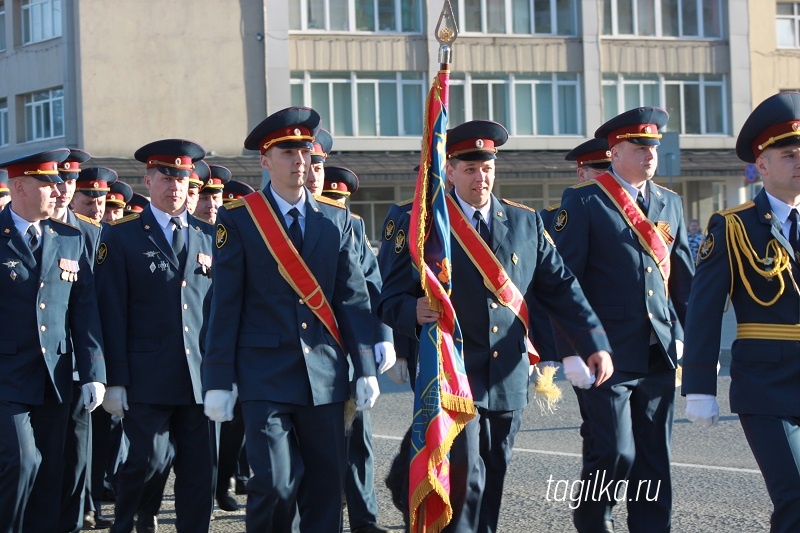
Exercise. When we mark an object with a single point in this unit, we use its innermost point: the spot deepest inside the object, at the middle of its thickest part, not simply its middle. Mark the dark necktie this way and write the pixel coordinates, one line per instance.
(33, 240)
(481, 226)
(295, 231)
(178, 244)
(640, 202)
(794, 236)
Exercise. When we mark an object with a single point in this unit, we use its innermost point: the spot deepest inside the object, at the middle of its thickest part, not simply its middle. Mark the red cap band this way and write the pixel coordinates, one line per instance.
(775, 133)
(290, 133)
(181, 162)
(47, 168)
(636, 131)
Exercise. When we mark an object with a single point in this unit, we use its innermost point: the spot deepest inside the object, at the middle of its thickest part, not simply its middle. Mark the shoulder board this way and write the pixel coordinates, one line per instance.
(662, 187)
(328, 201)
(87, 219)
(67, 224)
(552, 207)
(132, 216)
(515, 204)
(584, 184)
(736, 209)
(404, 202)
(355, 216)
(233, 204)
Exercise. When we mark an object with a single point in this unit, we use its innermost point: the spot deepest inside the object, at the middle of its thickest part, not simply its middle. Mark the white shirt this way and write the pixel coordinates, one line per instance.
(469, 211)
(285, 207)
(781, 210)
(165, 221)
(22, 226)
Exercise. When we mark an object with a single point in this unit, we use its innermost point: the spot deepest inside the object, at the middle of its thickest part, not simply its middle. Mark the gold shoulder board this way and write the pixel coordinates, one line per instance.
(132, 216)
(515, 204)
(87, 219)
(328, 201)
(233, 204)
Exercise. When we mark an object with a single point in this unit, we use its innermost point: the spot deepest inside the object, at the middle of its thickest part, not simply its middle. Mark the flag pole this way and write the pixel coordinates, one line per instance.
(446, 33)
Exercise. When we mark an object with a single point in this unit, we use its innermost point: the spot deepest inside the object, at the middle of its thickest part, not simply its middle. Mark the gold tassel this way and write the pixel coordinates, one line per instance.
(546, 392)
(349, 415)
(678, 376)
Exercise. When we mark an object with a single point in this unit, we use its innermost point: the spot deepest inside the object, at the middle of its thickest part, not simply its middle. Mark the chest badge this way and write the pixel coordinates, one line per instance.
(150, 253)
(11, 264)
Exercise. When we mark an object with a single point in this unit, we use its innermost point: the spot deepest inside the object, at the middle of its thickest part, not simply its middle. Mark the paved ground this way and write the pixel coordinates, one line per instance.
(717, 486)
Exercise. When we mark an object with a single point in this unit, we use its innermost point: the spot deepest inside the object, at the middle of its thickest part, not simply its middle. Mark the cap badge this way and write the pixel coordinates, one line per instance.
(796, 126)
(647, 129)
(608, 153)
(334, 185)
(297, 131)
(66, 165)
(479, 143)
(95, 185)
(177, 160)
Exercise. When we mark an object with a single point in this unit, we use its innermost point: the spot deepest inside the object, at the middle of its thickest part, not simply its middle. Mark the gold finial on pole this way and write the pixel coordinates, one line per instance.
(446, 33)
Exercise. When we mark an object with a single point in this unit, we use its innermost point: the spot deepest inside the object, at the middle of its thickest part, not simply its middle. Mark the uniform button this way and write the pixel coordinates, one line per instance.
(493, 305)
(43, 328)
(41, 285)
(300, 301)
(494, 354)
(649, 269)
(649, 315)
(650, 292)
(186, 328)
(187, 351)
(42, 306)
(307, 349)
(186, 306)
(304, 325)
(44, 349)
(183, 283)
(494, 329)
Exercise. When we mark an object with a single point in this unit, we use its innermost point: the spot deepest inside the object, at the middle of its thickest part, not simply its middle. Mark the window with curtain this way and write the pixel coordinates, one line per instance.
(403, 16)
(40, 20)
(528, 17)
(44, 114)
(663, 18)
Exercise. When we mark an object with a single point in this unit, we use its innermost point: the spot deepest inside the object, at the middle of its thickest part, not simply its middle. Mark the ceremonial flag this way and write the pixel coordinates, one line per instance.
(443, 400)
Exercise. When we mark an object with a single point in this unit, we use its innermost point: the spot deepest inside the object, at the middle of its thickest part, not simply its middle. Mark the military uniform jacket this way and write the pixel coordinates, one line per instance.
(620, 279)
(372, 275)
(495, 352)
(154, 314)
(765, 374)
(47, 313)
(262, 336)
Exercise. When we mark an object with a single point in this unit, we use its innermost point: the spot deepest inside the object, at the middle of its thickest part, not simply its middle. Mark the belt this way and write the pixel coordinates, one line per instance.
(775, 332)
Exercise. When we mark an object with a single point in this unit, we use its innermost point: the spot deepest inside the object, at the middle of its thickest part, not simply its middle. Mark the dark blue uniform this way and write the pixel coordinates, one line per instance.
(629, 417)
(495, 352)
(750, 257)
(48, 318)
(291, 373)
(154, 324)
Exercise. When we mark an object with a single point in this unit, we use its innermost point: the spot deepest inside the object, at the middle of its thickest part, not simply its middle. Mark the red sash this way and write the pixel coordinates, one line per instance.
(494, 275)
(290, 265)
(648, 234)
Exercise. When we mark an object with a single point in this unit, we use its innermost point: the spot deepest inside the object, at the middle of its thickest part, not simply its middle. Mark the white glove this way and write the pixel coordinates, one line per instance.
(702, 409)
(116, 401)
(367, 392)
(218, 405)
(93, 393)
(235, 392)
(398, 372)
(384, 356)
(577, 372)
(679, 349)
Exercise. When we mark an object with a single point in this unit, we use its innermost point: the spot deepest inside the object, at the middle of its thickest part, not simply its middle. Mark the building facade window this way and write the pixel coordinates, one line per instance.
(3, 122)
(529, 17)
(529, 104)
(2, 25)
(697, 105)
(41, 20)
(44, 115)
(393, 16)
(364, 104)
(788, 25)
(663, 18)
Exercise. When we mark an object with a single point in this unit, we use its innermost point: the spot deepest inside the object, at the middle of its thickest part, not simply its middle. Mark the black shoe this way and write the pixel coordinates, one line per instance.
(226, 502)
(101, 521)
(146, 524)
(241, 487)
(370, 528)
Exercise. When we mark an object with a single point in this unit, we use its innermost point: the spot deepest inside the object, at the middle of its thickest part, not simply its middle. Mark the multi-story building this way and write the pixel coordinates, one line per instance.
(110, 76)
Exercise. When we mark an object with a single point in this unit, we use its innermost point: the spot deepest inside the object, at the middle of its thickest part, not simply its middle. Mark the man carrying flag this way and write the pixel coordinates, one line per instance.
(498, 244)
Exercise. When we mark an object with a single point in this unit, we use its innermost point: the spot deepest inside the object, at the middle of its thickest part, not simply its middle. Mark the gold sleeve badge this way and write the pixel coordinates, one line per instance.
(102, 253)
(561, 220)
(706, 247)
(222, 236)
(388, 231)
(399, 242)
